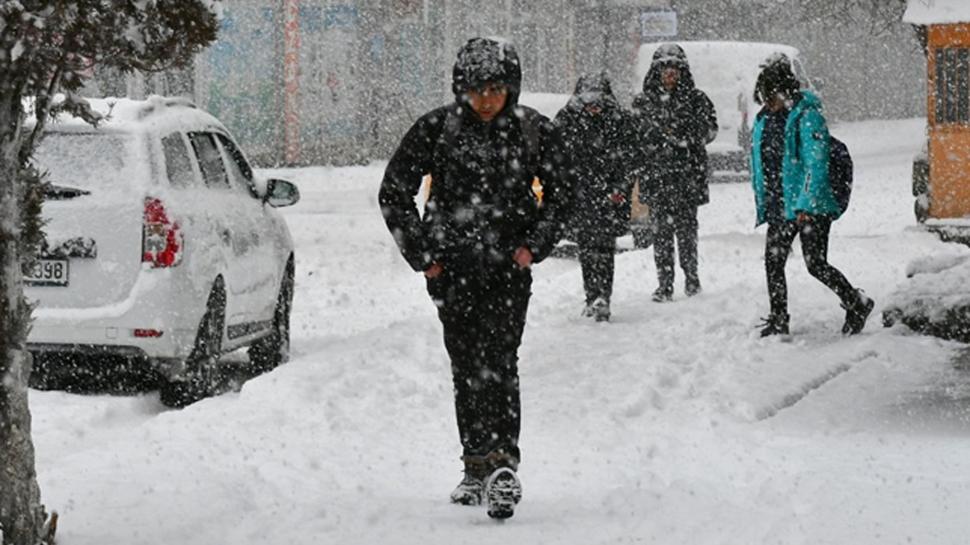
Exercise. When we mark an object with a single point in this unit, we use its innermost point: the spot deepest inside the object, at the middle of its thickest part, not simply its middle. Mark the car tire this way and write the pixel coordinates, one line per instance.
(921, 209)
(202, 363)
(273, 350)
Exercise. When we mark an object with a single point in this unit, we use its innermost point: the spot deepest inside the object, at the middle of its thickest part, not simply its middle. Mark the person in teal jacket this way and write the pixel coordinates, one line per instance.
(790, 177)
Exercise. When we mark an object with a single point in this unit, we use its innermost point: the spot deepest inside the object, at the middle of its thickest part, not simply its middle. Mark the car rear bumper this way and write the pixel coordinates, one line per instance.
(163, 303)
(112, 337)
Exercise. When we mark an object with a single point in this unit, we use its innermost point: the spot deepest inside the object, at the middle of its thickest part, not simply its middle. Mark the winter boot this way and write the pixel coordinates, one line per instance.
(588, 311)
(471, 488)
(503, 491)
(601, 310)
(692, 287)
(774, 324)
(662, 295)
(857, 313)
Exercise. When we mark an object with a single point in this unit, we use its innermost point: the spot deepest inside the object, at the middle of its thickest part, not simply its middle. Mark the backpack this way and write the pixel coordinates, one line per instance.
(840, 171)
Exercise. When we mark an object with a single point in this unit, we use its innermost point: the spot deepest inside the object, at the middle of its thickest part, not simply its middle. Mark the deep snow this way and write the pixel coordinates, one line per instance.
(672, 424)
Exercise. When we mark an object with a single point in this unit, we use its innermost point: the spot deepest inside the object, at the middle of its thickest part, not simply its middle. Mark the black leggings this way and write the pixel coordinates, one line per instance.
(814, 235)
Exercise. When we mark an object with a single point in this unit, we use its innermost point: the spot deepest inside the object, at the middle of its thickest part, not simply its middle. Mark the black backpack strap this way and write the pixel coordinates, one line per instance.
(448, 139)
(530, 130)
(451, 128)
(530, 135)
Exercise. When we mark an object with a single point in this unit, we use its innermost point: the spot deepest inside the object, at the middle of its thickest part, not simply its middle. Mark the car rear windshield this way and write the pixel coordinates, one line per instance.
(88, 161)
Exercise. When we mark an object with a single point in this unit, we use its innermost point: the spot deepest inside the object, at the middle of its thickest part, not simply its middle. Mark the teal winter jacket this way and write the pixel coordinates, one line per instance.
(805, 171)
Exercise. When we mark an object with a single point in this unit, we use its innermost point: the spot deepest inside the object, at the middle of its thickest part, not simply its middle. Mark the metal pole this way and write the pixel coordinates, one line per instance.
(291, 81)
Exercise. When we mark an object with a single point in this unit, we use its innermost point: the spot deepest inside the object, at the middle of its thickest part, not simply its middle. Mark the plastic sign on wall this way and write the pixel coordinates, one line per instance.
(658, 24)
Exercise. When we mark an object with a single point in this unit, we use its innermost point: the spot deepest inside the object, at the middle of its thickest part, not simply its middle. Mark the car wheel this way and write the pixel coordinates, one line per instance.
(921, 209)
(203, 361)
(273, 350)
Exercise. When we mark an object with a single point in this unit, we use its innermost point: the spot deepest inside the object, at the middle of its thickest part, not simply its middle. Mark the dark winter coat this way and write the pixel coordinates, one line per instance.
(600, 147)
(481, 205)
(673, 130)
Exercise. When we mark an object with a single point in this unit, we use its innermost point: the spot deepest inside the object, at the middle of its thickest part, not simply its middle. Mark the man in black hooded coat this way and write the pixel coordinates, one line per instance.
(676, 120)
(482, 229)
(598, 136)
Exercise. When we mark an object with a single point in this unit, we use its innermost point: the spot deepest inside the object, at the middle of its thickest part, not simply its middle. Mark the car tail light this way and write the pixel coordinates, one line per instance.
(161, 237)
(146, 333)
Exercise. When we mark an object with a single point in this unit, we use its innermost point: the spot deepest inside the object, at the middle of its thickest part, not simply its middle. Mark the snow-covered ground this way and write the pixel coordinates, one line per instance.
(672, 424)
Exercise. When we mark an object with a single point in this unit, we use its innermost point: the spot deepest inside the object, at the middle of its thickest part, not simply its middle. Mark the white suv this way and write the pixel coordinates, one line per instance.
(161, 245)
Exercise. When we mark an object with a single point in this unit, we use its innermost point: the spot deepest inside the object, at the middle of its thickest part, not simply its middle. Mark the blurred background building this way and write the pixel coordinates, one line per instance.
(338, 82)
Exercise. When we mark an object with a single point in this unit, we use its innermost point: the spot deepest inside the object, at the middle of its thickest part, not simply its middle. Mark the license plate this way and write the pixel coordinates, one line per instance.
(48, 272)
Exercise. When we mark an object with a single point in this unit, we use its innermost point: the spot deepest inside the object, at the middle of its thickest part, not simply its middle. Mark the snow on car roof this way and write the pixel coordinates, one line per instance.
(928, 12)
(156, 113)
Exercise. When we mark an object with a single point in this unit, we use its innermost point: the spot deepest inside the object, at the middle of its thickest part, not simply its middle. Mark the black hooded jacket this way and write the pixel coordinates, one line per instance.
(481, 205)
(673, 130)
(600, 147)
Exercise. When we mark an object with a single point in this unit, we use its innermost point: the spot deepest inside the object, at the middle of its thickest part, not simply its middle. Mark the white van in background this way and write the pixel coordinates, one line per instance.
(727, 72)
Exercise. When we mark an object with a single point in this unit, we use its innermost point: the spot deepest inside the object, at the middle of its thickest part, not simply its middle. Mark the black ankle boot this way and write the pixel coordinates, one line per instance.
(471, 489)
(857, 313)
(774, 324)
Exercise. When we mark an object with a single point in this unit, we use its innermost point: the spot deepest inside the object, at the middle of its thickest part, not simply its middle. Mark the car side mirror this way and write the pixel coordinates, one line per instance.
(281, 193)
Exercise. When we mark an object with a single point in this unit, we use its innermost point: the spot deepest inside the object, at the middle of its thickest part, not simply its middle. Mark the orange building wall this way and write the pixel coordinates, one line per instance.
(949, 145)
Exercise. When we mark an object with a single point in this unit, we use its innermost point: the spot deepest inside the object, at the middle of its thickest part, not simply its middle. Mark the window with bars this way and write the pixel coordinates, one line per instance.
(953, 85)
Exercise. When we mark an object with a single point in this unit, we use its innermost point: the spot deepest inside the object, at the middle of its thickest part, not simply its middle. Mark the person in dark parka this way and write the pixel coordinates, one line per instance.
(597, 135)
(481, 231)
(675, 122)
(790, 178)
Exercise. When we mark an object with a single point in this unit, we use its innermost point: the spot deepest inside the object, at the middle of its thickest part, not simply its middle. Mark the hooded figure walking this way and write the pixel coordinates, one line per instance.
(597, 134)
(482, 230)
(675, 120)
(793, 195)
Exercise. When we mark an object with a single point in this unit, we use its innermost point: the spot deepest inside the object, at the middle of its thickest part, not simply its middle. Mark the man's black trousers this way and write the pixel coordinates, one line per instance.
(596, 250)
(483, 311)
(670, 222)
(814, 236)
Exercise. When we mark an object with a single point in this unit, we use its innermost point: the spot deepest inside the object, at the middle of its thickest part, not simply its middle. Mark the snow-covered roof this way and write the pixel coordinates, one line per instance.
(928, 12)
(163, 114)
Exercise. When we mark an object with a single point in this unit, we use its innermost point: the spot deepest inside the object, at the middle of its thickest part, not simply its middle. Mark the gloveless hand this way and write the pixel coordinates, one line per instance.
(522, 257)
(434, 270)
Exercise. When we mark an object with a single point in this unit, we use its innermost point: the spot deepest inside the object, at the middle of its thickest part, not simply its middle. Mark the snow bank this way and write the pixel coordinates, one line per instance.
(927, 12)
(673, 423)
